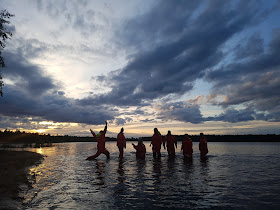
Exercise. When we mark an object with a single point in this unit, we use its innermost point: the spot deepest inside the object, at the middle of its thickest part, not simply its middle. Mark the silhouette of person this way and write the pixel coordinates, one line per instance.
(156, 142)
(140, 149)
(121, 143)
(203, 146)
(187, 147)
(100, 143)
(170, 140)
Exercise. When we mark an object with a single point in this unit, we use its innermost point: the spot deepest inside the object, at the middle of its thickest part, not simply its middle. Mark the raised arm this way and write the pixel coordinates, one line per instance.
(105, 129)
(94, 135)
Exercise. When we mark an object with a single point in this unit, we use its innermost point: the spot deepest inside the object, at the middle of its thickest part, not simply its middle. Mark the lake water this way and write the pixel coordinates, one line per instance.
(235, 175)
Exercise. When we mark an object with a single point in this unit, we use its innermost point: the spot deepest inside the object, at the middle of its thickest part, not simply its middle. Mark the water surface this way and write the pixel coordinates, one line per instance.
(235, 175)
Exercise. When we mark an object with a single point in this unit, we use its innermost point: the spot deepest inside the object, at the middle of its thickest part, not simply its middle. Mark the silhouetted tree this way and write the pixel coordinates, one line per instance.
(4, 34)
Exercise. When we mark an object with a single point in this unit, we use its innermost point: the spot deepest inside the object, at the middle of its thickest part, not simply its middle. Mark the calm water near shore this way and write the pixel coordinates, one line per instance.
(235, 175)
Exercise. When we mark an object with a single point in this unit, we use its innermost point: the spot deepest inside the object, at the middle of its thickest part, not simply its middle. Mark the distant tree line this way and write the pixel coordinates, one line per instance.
(46, 139)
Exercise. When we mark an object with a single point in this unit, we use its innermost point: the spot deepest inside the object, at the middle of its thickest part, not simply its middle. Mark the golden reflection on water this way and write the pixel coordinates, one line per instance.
(40, 151)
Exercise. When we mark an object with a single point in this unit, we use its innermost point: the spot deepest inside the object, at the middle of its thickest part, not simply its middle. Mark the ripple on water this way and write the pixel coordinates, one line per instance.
(231, 177)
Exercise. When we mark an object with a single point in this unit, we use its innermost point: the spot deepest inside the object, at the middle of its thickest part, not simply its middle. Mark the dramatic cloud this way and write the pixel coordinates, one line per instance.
(181, 111)
(186, 49)
(34, 94)
(255, 82)
(159, 50)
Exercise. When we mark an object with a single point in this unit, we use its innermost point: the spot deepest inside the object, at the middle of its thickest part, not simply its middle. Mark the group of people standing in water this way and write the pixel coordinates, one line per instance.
(169, 142)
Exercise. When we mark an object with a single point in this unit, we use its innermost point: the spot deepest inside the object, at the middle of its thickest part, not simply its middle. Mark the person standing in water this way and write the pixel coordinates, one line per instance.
(100, 143)
(156, 142)
(170, 142)
(203, 146)
(121, 143)
(140, 149)
(187, 147)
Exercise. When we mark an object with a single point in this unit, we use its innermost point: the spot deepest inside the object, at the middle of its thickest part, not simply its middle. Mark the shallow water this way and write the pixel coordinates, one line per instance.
(235, 175)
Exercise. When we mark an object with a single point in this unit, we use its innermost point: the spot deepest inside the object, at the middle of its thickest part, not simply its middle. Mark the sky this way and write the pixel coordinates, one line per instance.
(185, 66)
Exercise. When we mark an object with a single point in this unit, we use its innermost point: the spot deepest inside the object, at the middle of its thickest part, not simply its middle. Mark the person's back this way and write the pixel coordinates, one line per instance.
(203, 145)
(170, 141)
(187, 146)
(121, 143)
(140, 150)
(156, 139)
(156, 142)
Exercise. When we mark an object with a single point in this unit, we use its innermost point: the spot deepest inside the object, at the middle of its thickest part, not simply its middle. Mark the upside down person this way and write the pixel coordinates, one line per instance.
(121, 143)
(100, 143)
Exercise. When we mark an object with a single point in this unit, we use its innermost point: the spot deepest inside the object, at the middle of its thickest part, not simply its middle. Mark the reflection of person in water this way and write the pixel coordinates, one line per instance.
(140, 149)
(187, 147)
(100, 143)
(121, 143)
(156, 142)
(170, 141)
(203, 146)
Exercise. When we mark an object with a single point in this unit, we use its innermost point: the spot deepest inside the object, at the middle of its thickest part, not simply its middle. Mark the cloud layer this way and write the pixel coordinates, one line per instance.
(168, 47)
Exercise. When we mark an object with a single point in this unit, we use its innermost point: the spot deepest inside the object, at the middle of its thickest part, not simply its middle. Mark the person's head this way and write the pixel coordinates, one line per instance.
(201, 134)
(186, 135)
(155, 130)
(140, 141)
(169, 133)
(122, 130)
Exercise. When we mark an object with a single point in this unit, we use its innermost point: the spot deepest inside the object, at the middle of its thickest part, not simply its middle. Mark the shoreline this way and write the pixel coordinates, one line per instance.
(14, 168)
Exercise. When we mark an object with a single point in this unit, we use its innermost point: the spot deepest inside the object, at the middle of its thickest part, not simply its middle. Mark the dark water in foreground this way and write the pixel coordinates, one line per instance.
(236, 175)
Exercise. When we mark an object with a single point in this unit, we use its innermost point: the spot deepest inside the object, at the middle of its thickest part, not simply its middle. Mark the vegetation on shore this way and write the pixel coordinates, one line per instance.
(37, 140)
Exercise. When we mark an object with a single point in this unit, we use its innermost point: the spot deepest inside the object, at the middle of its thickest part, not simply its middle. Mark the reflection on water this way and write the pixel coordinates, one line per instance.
(233, 176)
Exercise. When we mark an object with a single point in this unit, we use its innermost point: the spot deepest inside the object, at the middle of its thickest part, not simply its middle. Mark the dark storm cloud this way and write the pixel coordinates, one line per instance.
(27, 76)
(177, 43)
(35, 94)
(51, 107)
(169, 47)
(20, 122)
(254, 82)
(181, 111)
(233, 116)
(253, 47)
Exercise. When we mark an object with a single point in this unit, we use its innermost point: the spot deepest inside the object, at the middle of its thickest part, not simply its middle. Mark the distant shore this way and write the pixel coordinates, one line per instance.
(36, 140)
(13, 174)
